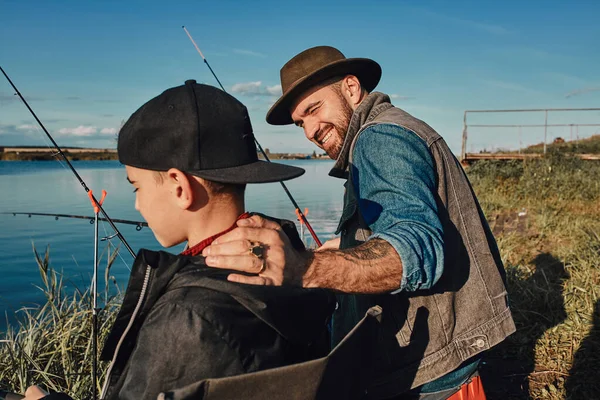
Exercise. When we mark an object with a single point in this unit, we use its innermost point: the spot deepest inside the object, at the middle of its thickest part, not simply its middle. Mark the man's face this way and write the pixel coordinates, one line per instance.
(324, 114)
(154, 201)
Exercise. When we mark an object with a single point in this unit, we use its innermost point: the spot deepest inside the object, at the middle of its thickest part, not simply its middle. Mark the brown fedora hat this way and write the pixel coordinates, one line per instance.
(313, 66)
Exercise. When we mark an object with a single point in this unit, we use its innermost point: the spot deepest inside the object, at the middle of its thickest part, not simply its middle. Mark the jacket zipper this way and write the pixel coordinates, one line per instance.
(129, 325)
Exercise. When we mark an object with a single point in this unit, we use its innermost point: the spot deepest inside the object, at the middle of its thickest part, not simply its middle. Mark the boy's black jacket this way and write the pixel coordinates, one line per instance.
(193, 324)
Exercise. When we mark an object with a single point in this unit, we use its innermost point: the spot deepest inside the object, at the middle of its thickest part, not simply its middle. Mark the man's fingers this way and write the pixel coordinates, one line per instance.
(261, 235)
(246, 263)
(250, 280)
(233, 248)
(333, 244)
(257, 221)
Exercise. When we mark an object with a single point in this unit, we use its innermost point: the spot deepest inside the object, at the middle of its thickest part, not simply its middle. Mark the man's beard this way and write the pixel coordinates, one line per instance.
(341, 127)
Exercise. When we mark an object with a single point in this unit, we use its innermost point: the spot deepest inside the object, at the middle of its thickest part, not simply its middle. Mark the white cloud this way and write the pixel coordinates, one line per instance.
(27, 127)
(81, 130)
(108, 131)
(247, 87)
(256, 89)
(248, 53)
(582, 91)
(275, 90)
(478, 25)
(400, 97)
(511, 86)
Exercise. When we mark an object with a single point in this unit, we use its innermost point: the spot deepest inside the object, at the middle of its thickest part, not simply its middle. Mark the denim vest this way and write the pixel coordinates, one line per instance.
(428, 333)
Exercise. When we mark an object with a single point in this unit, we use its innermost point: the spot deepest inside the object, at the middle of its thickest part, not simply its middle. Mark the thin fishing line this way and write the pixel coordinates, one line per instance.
(47, 143)
(83, 184)
(283, 185)
(109, 243)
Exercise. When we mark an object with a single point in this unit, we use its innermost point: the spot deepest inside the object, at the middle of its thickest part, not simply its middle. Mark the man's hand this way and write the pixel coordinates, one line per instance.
(332, 244)
(284, 265)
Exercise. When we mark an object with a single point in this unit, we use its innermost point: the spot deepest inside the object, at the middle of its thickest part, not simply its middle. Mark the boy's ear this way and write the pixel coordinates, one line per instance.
(181, 188)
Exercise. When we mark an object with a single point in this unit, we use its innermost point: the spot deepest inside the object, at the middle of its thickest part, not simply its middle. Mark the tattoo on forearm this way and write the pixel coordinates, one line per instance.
(374, 249)
(372, 267)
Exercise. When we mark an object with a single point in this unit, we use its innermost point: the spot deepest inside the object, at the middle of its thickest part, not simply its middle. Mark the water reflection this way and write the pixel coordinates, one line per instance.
(48, 187)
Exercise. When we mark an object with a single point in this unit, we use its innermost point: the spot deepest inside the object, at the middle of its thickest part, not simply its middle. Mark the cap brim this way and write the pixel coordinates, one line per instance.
(366, 70)
(256, 172)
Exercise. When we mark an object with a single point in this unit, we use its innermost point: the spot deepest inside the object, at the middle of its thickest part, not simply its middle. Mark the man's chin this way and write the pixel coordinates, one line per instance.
(334, 153)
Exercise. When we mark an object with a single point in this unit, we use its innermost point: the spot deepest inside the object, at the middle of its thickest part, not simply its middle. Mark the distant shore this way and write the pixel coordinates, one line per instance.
(27, 153)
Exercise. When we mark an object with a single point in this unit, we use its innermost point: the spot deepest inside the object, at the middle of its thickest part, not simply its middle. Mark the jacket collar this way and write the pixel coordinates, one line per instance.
(166, 271)
(196, 250)
(373, 105)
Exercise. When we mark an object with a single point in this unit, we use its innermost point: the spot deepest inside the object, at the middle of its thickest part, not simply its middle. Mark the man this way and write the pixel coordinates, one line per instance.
(413, 237)
(188, 154)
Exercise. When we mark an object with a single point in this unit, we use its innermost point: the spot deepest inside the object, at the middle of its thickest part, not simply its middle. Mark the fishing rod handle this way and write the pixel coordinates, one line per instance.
(312, 232)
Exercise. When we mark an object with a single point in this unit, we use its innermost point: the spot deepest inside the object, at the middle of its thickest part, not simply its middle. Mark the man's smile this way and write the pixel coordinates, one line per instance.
(326, 137)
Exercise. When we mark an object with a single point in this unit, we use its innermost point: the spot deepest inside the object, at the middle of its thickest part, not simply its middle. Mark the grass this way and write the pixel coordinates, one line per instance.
(590, 145)
(51, 345)
(545, 214)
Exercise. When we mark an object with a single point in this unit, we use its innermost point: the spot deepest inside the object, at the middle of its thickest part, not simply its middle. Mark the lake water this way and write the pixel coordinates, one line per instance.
(50, 187)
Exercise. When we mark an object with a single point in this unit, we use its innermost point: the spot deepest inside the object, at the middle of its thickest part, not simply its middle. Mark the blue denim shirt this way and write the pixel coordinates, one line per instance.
(395, 192)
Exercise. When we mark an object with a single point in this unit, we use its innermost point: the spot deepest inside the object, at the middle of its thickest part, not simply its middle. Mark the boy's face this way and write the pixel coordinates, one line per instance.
(155, 201)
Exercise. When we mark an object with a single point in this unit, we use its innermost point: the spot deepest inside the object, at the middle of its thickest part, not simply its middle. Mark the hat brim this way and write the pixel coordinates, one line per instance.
(366, 70)
(256, 172)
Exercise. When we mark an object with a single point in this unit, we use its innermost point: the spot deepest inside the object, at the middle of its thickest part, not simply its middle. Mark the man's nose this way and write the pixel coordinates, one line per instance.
(310, 130)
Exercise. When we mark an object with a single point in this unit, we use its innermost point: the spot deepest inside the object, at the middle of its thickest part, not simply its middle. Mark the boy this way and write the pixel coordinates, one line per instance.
(188, 154)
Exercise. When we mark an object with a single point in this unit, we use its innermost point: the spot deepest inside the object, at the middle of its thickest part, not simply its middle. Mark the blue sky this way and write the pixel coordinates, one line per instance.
(86, 66)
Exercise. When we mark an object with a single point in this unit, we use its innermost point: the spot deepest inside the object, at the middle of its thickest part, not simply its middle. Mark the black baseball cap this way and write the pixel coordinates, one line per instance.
(201, 130)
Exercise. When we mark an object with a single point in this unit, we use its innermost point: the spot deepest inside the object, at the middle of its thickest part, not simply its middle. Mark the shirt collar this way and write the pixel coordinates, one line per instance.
(372, 105)
(196, 250)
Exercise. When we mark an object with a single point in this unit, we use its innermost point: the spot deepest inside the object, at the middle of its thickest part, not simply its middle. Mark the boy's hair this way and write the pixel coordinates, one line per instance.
(237, 190)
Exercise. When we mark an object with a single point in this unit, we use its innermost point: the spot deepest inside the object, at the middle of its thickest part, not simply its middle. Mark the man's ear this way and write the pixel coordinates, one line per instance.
(352, 90)
(180, 188)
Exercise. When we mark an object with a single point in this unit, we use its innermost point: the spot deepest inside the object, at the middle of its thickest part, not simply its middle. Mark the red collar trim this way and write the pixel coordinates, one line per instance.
(196, 250)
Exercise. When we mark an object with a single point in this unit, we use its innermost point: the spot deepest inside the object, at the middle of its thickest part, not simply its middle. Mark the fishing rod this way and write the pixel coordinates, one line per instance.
(298, 211)
(97, 207)
(95, 310)
(138, 224)
(87, 190)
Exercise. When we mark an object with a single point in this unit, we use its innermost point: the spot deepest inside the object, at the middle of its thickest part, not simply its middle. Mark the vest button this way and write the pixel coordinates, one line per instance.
(480, 343)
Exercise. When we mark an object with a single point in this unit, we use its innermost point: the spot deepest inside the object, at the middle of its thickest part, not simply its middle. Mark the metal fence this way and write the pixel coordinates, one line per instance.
(542, 112)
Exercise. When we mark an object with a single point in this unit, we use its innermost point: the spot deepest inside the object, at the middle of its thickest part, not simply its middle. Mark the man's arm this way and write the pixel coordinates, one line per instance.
(395, 180)
(372, 267)
(395, 184)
